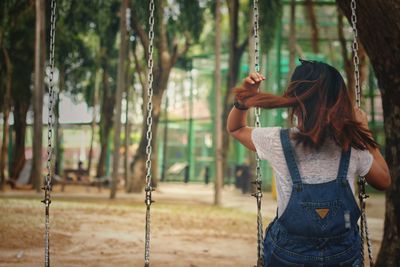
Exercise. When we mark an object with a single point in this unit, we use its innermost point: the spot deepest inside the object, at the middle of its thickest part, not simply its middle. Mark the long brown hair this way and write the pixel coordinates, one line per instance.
(318, 95)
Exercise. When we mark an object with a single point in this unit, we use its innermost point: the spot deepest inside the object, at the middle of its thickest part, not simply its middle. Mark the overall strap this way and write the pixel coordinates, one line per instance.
(290, 160)
(344, 164)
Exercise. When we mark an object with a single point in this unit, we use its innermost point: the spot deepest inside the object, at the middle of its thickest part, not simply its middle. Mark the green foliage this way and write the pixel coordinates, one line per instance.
(189, 18)
(15, 33)
(86, 35)
(183, 19)
(21, 40)
(73, 58)
(270, 15)
(86, 41)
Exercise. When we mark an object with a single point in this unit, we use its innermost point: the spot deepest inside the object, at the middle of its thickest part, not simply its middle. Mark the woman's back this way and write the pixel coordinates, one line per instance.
(319, 224)
(314, 166)
(317, 211)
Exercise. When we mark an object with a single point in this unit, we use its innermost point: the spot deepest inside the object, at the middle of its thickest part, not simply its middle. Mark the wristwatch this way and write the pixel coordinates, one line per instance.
(239, 105)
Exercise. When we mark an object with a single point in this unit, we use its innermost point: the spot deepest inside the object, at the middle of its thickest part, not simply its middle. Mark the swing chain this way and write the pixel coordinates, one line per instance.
(363, 225)
(361, 181)
(47, 187)
(256, 37)
(356, 59)
(258, 181)
(149, 134)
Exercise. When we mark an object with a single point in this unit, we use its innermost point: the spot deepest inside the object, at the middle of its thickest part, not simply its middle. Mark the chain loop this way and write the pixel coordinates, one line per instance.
(364, 233)
(257, 112)
(149, 135)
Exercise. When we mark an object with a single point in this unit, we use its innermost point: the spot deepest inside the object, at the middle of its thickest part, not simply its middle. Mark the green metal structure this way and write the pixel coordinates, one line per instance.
(190, 139)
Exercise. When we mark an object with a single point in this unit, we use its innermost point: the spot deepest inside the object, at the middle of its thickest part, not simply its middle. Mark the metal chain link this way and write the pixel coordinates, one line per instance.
(362, 207)
(258, 181)
(361, 181)
(149, 134)
(50, 126)
(256, 37)
(356, 59)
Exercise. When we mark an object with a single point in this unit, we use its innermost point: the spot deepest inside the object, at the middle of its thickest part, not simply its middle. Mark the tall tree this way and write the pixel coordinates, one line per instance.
(127, 128)
(236, 49)
(292, 38)
(18, 19)
(118, 95)
(6, 71)
(87, 60)
(173, 33)
(107, 28)
(74, 61)
(94, 117)
(270, 13)
(6, 111)
(36, 173)
(347, 58)
(312, 19)
(379, 32)
(218, 123)
(78, 54)
(347, 62)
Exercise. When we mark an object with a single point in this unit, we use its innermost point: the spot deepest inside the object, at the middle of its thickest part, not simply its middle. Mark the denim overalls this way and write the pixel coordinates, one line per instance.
(319, 224)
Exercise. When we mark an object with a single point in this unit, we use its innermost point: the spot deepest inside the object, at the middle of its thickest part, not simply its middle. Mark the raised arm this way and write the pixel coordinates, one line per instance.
(379, 174)
(237, 119)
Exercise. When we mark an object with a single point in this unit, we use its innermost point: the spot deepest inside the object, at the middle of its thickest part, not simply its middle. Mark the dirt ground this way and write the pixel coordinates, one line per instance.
(87, 229)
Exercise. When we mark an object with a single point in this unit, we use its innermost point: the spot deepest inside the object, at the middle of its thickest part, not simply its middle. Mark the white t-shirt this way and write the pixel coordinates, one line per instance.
(315, 166)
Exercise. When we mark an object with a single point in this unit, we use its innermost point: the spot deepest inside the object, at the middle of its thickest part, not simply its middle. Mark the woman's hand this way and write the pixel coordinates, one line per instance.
(252, 82)
(361, 117)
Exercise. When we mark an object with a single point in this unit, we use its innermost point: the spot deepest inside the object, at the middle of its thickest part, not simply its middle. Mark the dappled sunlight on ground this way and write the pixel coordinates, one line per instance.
(87, 229)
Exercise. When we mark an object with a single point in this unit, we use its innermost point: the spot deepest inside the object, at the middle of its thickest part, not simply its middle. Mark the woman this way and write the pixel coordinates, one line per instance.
(315, 164)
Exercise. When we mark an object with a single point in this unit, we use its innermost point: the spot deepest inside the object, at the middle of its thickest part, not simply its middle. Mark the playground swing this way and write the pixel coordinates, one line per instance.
(148, 188)
(361, 180)
(48, 178)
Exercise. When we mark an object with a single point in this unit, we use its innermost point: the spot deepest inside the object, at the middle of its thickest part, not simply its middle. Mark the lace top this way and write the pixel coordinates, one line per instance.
(315, 166)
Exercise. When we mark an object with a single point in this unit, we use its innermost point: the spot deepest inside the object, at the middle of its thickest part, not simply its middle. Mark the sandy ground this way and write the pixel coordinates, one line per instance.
(87, 229)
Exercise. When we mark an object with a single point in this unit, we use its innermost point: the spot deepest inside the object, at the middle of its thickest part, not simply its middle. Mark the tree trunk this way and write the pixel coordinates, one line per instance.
(6, 113)
(347, 62)
(292, 38)
(118, 95)
(107, 109)
(93, 124)
(168, 54)
(235, 54)
(312, 19)
(36, 173)
(139, 160)
(127, 124)
(18, 155)
(218, 122)
(137, 181)
(165, 141)
(380, 36)
(58, 148)
(363, 66)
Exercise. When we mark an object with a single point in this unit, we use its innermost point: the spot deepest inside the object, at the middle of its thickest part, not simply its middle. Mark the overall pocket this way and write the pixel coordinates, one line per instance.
(276, 261)
(325, 216)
